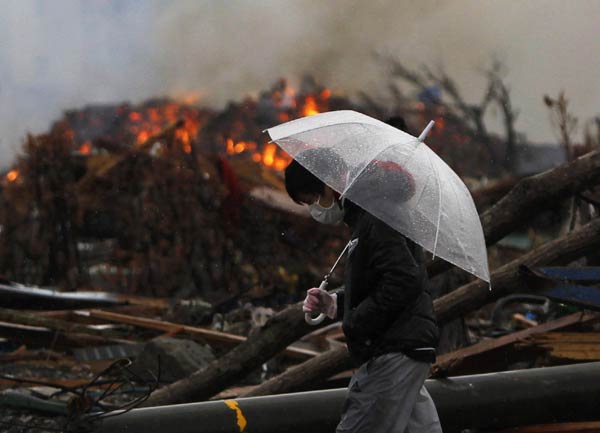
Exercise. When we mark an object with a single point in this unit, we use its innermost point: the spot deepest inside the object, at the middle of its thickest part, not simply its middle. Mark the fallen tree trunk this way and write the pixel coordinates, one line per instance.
(538, 192)
(530, 196)
(467, 298)
(280, 331)
(327, 364)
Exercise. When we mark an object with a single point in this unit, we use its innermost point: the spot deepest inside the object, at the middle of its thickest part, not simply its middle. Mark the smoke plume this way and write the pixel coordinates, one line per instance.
(63, 54)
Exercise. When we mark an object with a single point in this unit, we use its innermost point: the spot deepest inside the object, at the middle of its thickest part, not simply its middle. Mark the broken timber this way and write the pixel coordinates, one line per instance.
(572, 346)
(174, 328)
(543, 395)
(452, 360)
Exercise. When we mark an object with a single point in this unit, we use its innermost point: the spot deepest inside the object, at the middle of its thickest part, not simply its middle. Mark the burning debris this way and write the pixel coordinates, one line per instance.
(164, 186)
(178, 209)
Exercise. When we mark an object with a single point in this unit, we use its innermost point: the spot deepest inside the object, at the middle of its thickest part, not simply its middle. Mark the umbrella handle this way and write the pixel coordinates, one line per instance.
(313, 320)
(316, 320)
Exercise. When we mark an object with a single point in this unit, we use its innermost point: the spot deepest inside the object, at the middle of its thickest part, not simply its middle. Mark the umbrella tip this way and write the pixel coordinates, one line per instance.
(426, 131)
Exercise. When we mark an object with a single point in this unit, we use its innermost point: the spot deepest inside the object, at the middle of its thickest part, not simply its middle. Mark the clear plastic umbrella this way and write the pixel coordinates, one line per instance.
(395, 177)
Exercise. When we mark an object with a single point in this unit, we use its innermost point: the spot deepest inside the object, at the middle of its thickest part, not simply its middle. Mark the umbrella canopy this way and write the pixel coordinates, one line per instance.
(395, 177)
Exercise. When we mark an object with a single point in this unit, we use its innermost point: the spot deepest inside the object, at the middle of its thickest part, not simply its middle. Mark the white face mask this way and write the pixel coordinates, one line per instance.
(326, 215)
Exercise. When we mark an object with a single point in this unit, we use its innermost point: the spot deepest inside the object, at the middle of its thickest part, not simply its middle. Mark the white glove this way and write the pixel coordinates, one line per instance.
(320, 301)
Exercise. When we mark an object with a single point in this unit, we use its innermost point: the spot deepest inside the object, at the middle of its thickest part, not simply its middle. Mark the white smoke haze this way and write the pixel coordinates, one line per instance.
(61, 54)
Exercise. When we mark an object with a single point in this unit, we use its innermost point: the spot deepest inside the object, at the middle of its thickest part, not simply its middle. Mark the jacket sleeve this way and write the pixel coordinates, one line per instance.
(397, 276)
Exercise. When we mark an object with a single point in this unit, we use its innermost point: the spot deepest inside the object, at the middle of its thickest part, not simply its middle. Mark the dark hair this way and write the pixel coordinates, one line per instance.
(325, 161)
(299, 180)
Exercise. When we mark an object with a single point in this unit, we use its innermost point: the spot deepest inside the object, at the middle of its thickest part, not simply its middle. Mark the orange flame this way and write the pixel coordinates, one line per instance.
(154, 115)
(12, 175)
(183, 135)
(229, 146)
(280, 164)
(142, 137)
(134, 116)
(310, 106)
(86, 148)
(239, 147)
(268, 156)
(143, 123)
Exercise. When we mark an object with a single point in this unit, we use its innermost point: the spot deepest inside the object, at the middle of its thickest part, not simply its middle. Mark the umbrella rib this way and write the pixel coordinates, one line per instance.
(477, 272)
(437, 226)
(458, 238)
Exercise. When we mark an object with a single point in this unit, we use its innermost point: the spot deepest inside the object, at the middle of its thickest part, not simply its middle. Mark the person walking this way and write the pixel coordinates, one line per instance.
(386, 311)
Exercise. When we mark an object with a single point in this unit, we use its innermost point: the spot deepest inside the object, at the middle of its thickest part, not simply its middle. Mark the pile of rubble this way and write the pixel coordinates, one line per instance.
(195, 262)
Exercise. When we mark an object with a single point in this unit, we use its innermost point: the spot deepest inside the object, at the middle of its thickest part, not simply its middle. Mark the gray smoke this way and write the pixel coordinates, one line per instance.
(61, 54)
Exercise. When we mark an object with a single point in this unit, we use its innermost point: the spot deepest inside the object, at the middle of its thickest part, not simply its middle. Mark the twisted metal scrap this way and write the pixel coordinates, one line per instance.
(86, 406)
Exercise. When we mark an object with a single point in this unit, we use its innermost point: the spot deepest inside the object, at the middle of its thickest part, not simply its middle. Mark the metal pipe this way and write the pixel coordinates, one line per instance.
(484, 401)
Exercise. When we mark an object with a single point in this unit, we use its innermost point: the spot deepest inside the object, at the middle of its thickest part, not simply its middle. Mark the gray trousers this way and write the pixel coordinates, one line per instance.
(387, 395)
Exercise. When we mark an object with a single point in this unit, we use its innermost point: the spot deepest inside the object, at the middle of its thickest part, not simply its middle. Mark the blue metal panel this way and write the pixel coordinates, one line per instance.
(572, 274)
(583, 296)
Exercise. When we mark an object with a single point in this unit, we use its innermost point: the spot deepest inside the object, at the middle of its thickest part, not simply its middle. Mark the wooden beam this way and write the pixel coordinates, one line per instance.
(170, 327)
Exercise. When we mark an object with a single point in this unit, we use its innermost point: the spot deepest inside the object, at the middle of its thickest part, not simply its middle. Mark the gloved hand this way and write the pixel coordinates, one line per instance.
(320, 301)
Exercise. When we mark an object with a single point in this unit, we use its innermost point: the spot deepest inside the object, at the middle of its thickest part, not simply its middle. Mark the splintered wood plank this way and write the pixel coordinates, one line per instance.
(582, 346)
(447, 360)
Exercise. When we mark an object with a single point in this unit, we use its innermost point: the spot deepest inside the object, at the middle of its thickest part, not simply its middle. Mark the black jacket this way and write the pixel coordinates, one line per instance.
(385, 305)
